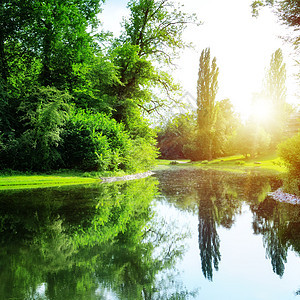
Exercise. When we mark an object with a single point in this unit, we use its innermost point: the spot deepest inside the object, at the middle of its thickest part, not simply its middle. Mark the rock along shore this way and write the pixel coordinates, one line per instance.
(281, 196)
(126, 177)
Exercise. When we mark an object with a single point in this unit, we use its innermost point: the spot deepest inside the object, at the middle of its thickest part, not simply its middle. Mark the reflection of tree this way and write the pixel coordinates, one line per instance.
(219, 198)
(209, 242)
(280, 226)
(144, 270)
(256, 187)
(215, 195)
(81, 242)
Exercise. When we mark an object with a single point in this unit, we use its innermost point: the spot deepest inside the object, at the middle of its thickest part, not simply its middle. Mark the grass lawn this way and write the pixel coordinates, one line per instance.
(17, 180)
(39, 181)
(270, 163)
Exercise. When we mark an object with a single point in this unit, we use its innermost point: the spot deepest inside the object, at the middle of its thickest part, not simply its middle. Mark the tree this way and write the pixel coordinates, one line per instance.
(275, 80)
(14, 17)
(42, 118)
(61, 37)
(226, 124)
(251, 139)
(152, 33)
(174, 135)
(275, 92)
(286, 10)
(207, 87)
(289, 152)
(40, 43)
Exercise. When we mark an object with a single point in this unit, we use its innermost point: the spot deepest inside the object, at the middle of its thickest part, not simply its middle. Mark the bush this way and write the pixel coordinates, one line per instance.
(141, 155)
(96, 142)
(289, 151)
(42, 116)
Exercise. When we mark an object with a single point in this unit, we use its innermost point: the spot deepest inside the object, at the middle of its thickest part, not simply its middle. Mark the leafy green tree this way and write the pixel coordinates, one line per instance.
(61, 37)
(152, 33)
(286, 10)
(289, 151)
(43, 115)
(174, 135)
(275, 92)
(53, 31)
(40, 42)
(251, 139)
(15, 16)
(226, 125)
(207, 88)
(275, 80)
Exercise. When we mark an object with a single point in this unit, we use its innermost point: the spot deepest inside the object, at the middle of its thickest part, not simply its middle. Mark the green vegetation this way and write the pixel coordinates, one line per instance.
(41, 181)
(236, 164)
(75, 97)
(289, 151)
(214, 137)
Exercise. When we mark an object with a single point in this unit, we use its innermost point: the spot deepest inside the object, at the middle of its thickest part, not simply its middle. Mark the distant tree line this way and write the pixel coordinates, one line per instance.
(215, 130)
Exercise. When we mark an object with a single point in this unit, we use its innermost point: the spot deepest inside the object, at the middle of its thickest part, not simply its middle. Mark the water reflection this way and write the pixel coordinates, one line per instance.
(280, 226)
(111, 241)
(88, 243)
(217, 198)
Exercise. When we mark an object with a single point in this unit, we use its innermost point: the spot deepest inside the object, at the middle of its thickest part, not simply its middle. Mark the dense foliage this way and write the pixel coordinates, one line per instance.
(173, 136)
(289, 151)
(74, 98)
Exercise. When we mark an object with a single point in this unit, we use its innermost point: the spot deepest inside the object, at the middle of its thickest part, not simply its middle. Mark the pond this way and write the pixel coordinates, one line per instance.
(180, 234)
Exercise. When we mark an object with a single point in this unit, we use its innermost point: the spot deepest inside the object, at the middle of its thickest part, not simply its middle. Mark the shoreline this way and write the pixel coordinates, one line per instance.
(280, 196)
(126, 177)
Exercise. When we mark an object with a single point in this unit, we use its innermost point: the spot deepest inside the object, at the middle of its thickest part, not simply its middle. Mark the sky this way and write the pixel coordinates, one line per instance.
(242, 45)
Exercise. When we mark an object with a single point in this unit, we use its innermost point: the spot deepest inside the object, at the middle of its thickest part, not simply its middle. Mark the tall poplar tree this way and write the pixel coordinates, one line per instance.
(275, 90)
(207, 88)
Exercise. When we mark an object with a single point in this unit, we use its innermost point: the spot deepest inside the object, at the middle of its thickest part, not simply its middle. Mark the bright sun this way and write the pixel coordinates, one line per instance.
(262, 110)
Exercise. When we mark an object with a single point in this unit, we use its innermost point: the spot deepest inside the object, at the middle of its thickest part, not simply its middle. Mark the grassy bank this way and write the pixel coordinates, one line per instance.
(270, 164)
(18, 180)
(237, 164)
(29, 181)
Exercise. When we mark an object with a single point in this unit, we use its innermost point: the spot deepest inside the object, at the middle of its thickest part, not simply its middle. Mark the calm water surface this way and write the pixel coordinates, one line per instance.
(181, 234)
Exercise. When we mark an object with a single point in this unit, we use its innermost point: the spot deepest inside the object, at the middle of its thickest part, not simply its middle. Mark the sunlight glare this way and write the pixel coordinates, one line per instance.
(262, 110)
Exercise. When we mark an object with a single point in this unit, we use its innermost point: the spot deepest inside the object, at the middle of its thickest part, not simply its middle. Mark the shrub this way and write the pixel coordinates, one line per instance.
(289, 151)
(141, 155)
(96, 142)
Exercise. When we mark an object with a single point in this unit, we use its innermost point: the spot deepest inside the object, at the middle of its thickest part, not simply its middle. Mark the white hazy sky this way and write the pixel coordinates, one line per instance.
(243, 46)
